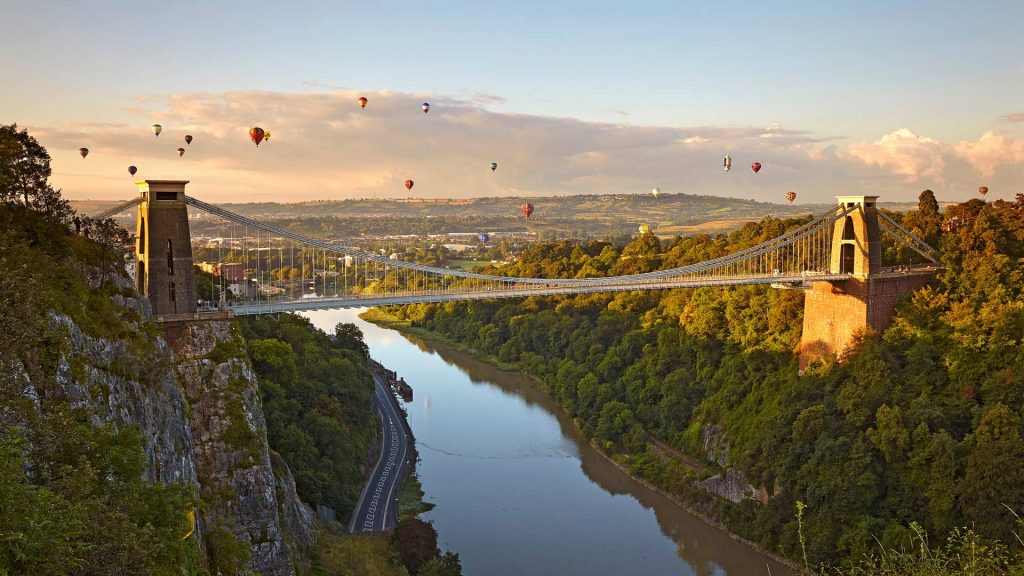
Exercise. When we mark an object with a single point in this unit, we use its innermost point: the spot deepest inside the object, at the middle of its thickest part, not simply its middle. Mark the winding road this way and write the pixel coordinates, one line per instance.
(377, 507)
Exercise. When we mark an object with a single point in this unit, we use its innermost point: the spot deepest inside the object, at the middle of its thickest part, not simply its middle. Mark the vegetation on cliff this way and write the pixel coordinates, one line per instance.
(72, 493)
(318, 403)
(921, 423)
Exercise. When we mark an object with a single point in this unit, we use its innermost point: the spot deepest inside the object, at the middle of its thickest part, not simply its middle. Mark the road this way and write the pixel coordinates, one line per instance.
(377, 507)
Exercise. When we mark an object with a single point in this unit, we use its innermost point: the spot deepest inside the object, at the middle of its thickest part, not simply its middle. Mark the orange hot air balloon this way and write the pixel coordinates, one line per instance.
(84, 152)
(409, 184)
(790, 196)
(181, 152)
(756, 167)
(256, 134)
(526, 209)
(983, 190)
(362, 101)
(188, 139)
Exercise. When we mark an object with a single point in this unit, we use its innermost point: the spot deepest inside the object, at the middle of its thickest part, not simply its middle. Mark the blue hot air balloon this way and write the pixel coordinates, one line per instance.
(484, 237)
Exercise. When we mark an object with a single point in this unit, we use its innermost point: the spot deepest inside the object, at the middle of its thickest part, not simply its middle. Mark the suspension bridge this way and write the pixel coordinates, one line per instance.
(836, 257)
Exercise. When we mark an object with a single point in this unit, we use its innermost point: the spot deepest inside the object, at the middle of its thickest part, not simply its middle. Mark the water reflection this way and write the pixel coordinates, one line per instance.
(499, 458)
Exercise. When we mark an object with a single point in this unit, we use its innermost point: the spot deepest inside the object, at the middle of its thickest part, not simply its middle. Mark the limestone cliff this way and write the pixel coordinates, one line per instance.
(198, 408)
(233, 462)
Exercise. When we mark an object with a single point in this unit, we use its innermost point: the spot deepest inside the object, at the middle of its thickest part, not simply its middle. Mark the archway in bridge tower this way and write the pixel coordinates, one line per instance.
(846, 254)
(848, 233)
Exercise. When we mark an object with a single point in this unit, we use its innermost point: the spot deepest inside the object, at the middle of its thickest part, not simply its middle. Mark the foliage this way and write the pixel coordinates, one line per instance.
(318, 403)
(72, 490)
(417, 543)
(921, 423)
(356, 555)
(24, 175)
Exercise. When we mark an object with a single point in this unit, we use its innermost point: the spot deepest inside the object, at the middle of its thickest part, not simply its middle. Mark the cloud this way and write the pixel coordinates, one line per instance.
(324, 146)
(990, 151)
(1013, 118)
(903, 153)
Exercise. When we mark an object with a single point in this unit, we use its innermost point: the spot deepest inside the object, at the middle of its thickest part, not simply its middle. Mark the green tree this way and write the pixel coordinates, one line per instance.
(25, 172)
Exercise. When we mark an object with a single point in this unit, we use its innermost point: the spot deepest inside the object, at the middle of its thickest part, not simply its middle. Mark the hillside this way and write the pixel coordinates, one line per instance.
(918, 430)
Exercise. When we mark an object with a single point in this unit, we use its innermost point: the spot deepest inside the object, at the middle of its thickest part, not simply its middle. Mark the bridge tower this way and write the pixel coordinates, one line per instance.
(835, 311)
(163, 248)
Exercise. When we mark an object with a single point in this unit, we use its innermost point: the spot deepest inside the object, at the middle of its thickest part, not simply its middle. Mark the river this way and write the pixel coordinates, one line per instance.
(519, 491)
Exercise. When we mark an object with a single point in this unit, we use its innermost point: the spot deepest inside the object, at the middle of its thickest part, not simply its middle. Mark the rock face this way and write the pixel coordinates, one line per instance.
(199, 410)
(234, 465)
(131, 382)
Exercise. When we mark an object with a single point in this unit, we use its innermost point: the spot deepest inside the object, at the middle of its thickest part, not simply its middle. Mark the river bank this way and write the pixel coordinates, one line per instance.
(699, 503)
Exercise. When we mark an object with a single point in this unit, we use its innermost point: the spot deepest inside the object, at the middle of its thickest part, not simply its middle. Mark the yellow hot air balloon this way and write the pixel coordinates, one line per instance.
(655, 192)
(644, 229)
(266, 135)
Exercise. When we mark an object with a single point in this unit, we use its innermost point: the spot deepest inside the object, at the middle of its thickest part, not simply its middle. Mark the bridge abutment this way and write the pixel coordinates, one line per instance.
(836, 311)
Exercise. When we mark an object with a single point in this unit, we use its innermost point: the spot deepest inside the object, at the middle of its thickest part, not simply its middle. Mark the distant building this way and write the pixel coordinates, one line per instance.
(232, 272)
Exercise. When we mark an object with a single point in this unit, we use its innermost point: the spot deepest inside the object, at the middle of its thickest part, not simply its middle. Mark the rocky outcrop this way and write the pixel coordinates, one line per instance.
(130, 381)
(233, 462)
(731, 484)
(199, 411)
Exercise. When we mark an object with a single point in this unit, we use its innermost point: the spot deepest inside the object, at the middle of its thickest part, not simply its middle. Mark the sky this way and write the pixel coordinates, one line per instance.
(842, 97)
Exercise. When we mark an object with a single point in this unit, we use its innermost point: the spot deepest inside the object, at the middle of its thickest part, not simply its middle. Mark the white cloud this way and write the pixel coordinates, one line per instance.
(903, 153)
(325, 146)
(990, 151)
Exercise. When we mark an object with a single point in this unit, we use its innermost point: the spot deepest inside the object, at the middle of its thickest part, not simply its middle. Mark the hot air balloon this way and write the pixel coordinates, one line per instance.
(644, 228)
(362, 101)
(256, 134)
(409, 184)
(727, 163)
(188, 139)
(790, 196)
(981, 190)
(181, 152)
(426, 107)
(84, 152)
(494, 166)
(756, 167)
(132, 170)
(655, 192)
(157, 129)
(484, 237)
(526, 209)
(266, 135)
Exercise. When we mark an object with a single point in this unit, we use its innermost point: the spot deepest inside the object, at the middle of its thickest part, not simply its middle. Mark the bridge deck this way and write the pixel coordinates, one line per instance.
(326, 303)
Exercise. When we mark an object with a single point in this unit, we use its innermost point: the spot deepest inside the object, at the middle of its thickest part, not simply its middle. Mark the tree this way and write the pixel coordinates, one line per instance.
(25, 172)
(350, 337)
(417, 543)
(927, 203)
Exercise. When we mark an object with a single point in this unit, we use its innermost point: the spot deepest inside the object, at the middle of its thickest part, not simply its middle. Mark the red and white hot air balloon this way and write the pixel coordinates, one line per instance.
(526, 209)
(756, 167)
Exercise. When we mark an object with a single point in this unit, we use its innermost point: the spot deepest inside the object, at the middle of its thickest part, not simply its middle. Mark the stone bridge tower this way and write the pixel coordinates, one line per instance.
(835, 312)
(163, 248)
